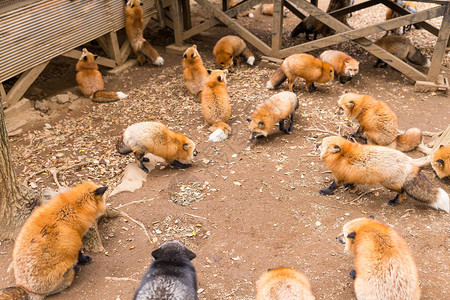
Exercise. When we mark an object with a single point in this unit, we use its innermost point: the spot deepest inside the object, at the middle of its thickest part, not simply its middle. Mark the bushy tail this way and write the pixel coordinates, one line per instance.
(104, 96)
(421, 189)
(416, 57)
(14, 293)
(121, 147)
(248, 56)
(221, 125)
(277, 78)
(151, 53)
(423, 161)
(409, 140)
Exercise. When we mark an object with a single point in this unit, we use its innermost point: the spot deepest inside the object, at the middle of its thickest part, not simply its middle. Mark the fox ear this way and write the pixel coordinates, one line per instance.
(261, 125)
(336, 149)
(191, 255)
(346, 63)
(225, 71)
(441, 146)
(209, 71)
(100, 191)
(185, 55)
(95, 57)
(351, 235)
(439, 163)
(142, 4)
(372, 217)
(186, 147)
(249, 120)
(85, 58)
(350, 104)
(194, 46)
(156, 253)
(219, 78)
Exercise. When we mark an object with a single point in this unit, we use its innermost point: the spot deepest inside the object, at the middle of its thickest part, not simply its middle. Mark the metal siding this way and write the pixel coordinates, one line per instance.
(42, 30)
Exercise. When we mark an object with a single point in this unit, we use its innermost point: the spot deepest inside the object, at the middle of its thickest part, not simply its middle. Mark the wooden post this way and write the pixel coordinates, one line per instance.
(177, 17)
(25, 81)
(277, 28)
(113, 45)
(3, 97)
(439, 50)
(186, 7)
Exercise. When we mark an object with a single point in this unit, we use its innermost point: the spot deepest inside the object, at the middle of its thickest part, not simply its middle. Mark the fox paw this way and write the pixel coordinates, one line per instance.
(327, 191)
(84, 259)
(353, 274)
(251, 60)
(145, 159)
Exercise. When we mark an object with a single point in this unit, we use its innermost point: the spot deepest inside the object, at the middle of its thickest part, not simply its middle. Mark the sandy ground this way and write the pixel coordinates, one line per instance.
(243, 207)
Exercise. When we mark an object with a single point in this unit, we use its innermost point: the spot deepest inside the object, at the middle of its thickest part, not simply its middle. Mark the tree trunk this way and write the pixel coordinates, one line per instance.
(16, 200)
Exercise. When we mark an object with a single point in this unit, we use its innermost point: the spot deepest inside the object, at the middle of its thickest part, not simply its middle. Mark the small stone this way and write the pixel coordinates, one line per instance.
(318, 223)
(72, 96)
(62, 98)
(41, 106)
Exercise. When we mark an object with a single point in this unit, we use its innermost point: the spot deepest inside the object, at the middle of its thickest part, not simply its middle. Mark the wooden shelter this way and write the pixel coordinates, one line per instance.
(302, 8)
(32, 32)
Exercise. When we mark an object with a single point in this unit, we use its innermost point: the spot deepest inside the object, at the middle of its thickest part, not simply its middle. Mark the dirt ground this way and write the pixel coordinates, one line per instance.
(243, 207)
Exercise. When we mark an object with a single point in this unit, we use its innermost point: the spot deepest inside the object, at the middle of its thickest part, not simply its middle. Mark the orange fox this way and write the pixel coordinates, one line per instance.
(344, 65)
(441, 161)
(133, 27)
(156, 138)
(390, 14)
(301, 65)
(283, 284)
(352, 163)
(231, 47)
(194, 71)
(216, 108)
(401, 47)
(90, 80)
(47, 252)
(277, 108)
(378, 122)
(384, 266)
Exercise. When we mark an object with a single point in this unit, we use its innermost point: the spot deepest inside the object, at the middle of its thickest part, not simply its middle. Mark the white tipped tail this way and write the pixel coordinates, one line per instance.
(269, 85)
(442, 202)
(159, 61)
(428, 63)
(251, 60)
(251, 15)
(121, 95)
(217, 136)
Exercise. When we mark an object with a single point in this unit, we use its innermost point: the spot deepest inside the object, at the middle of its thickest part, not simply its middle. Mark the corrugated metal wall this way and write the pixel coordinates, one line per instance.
(42, 30)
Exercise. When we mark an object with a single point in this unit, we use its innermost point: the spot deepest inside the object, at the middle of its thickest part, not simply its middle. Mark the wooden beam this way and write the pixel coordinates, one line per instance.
(4, 102)
(355, 7)
(277, 28)
(113, 45)
(186, 7)
(25, 81)
(104, 44)
(100, 60)
(365, 31)
(439, 49)
(177, 18)
(340, 27)
(247, 35)
(294, 9)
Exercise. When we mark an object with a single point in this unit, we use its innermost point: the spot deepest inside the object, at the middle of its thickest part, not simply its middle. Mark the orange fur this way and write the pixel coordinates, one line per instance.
(216, 108)
(275, 109)
(343, 64)
(231, 47)
(402, 47)
(134, 29)
(90, 80)
(378, 122)
(354, 163)
(283, 284)
(385, 268)
(441, 161)
(157, 139)
(305, 66)
(47, 247)
(195, 74)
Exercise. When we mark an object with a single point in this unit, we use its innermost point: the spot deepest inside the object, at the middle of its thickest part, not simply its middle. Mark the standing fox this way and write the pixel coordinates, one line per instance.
(384, 266)
(230, 48)
(277, 108)
(90, 80)
(133, 27)
(441, 161)
(343, 65)
(47, 252)
(378, 122)
(301, 65)
(352, 163)
(156, 138)
(401, 47)
(195, 74)
(283, 284)
(216, 108)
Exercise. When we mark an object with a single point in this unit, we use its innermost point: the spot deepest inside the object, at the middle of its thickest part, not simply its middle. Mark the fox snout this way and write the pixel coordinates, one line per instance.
(196, 152)
(253, 136)
(340, 238)
(339, 111)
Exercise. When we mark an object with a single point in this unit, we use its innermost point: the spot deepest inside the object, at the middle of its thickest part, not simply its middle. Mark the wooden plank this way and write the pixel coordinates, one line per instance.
(353, 8)
(441, 43)
(100, 60)
(25, 81)
(247, 35)
(365, 31)
(113, 45)
(277, 28)
(213, 21)
(177, 16)
(294, 9)
(401, 11)
(340, 27)
(4, 98)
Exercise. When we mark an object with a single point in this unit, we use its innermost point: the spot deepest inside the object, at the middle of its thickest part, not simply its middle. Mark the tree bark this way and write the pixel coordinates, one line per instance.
(16, 200)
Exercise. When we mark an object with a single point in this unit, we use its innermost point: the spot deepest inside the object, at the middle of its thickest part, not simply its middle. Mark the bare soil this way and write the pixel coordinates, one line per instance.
(243, 207)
